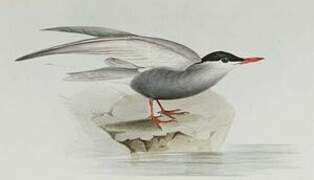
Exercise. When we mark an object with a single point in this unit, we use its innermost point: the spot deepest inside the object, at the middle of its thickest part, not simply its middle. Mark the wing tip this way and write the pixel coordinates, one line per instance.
(32, 56)
(48, 29)
(65, 28)
(59, 28)
(23, 58)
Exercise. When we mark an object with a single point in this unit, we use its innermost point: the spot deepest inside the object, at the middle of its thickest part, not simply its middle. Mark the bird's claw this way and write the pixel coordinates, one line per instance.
(170, 113)
(156, 121)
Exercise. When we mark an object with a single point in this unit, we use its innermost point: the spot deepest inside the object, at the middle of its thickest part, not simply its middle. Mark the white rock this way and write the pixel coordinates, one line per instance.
(203, 129)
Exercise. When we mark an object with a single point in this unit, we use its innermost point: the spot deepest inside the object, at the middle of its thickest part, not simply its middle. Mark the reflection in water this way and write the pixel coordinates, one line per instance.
(236, 160)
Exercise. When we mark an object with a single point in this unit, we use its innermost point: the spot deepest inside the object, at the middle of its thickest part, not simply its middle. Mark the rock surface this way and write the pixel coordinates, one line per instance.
(202, 129)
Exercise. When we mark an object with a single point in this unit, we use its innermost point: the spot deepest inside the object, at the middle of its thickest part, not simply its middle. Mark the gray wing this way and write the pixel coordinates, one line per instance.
(139, 50)
(108, 32)
(91, 30)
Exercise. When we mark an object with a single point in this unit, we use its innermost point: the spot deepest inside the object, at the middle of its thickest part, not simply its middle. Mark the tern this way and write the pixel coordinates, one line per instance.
(158, 69)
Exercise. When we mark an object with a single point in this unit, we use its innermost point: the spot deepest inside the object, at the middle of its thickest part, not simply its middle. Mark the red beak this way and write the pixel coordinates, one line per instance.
(251, 60)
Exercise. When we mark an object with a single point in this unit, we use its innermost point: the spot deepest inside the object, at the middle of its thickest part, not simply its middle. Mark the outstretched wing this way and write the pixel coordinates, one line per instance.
(139, 50)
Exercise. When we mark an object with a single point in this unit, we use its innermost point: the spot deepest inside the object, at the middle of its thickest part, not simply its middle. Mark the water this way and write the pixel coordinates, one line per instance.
(235, 160)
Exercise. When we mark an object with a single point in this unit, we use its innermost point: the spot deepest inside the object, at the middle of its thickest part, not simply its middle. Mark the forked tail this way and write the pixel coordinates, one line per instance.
(118, 69)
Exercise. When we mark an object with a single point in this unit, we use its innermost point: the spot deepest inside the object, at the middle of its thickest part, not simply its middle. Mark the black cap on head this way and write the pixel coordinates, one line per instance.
(221, 56)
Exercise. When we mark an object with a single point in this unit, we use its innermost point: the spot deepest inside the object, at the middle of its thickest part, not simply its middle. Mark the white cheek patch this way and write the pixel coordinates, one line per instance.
(218, 65)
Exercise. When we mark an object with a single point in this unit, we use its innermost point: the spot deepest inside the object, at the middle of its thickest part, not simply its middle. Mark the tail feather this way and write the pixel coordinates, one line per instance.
(115, 62)
(102, 74)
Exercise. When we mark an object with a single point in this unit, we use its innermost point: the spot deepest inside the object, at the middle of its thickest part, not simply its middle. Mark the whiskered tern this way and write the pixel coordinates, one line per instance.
(159, 69)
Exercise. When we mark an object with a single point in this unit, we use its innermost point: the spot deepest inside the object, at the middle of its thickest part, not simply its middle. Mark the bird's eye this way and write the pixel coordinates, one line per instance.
(224, 60)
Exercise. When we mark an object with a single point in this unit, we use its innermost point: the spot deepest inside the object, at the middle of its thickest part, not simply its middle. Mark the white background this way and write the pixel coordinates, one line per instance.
(273, 99)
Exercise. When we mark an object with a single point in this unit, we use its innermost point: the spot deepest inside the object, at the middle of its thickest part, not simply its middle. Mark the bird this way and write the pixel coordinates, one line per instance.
(158, 69)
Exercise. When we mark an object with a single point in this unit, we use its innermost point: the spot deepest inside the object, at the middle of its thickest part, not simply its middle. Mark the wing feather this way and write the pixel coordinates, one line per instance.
(139, 50)
(91, 30)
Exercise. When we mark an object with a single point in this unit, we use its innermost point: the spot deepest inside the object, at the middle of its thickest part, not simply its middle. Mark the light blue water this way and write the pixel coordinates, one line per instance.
(235, 160)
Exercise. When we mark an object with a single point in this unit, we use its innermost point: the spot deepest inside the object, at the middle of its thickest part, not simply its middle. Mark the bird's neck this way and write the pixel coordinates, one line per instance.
(206, 75)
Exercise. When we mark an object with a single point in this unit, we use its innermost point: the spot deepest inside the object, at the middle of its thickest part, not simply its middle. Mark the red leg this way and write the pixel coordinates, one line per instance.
(169, 113)
(152, 117)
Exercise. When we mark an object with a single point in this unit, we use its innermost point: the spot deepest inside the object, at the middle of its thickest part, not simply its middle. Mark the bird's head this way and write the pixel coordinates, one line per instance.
(225, 59)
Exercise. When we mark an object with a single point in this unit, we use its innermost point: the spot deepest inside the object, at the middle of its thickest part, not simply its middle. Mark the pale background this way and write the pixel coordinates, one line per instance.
(273, 99)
